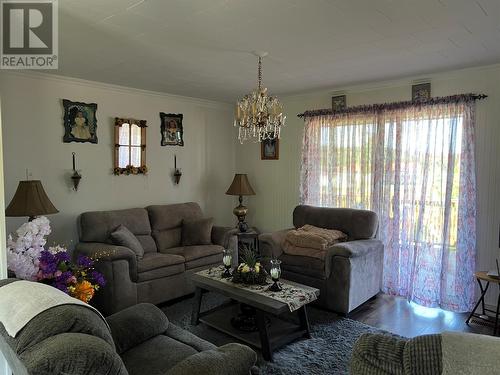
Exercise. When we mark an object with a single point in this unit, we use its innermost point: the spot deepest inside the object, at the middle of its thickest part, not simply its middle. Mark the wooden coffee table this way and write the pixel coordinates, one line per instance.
(273, 332)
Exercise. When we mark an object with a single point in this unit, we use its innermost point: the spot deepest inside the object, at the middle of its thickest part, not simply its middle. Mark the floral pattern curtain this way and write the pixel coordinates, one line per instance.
(414, 166)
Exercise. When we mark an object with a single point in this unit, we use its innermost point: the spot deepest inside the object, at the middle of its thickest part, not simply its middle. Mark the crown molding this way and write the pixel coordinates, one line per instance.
(378, 85)
(116, 88)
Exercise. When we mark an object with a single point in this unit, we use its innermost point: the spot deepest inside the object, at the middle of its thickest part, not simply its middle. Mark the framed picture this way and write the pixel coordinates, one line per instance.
(80, 122)
(421, 92)
(338, 103)
(270, 149)
(171, 129)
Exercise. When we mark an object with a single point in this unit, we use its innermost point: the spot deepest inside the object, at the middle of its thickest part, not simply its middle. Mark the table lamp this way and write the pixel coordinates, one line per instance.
(240, 186)
(30, 200)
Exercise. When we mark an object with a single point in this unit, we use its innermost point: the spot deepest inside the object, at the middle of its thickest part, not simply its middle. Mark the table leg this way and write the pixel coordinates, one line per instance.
(496, 315)
(304, 321)
(195, 315)
(267, 352)
(482, 293)
(481, 300)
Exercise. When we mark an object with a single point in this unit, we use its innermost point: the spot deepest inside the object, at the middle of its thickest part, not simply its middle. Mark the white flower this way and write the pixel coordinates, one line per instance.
(23, 252)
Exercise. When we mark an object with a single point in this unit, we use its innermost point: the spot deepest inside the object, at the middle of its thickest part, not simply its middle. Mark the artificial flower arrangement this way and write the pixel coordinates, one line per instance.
(28, 258)
(250, 271)
(130, 169)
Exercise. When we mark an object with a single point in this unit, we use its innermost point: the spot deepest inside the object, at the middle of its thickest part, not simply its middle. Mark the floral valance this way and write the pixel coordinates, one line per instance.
(373, 108)
(121, 121)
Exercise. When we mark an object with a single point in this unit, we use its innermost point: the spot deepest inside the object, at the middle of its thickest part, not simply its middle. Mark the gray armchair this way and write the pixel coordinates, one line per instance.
(72, 339)
(351, 272)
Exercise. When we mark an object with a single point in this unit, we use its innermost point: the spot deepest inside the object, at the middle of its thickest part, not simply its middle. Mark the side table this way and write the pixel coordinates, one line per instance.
(483, 277)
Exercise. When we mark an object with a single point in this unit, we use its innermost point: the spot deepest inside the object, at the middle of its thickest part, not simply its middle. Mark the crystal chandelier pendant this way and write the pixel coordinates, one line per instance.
(259, 116)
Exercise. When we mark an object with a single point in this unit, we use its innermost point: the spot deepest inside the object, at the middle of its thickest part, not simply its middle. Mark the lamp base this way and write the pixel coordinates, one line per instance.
(242, 226)
(240, 212)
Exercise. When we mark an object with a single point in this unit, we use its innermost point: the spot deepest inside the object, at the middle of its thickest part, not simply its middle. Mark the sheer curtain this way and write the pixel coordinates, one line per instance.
(414, 166)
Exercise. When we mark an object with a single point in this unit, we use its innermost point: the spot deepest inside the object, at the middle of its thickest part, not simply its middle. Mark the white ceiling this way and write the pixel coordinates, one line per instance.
(201, 48)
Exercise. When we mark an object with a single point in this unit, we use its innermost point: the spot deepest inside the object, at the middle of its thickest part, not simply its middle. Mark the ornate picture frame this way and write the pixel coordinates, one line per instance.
(339, 103)
(172, 132)
(80, 122)
(270, 149)
(421, 92)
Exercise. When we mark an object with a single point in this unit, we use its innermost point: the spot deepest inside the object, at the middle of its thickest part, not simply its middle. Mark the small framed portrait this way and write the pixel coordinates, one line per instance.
(339, 103)
(270, 149)
(80, 122)
(421, 92)
(171, 129)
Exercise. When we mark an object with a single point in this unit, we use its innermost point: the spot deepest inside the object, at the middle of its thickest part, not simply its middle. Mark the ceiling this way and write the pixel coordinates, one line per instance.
(202, 48)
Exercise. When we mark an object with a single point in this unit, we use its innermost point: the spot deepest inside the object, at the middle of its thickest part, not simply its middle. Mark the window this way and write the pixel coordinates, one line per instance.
(414, 166)
(130, 146)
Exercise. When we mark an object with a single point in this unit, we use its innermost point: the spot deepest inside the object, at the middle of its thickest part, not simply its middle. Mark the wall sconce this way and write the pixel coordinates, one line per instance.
(76, 177)
(177, 171)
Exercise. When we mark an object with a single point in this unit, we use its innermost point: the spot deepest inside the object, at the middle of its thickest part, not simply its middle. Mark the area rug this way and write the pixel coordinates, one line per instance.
(327, 352)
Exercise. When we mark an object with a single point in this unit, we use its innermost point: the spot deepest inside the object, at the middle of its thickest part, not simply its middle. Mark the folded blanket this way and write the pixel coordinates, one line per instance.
(22, 300)
(311, 241)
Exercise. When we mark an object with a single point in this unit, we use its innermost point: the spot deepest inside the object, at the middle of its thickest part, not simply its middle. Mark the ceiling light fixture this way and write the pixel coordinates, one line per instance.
(259, 116)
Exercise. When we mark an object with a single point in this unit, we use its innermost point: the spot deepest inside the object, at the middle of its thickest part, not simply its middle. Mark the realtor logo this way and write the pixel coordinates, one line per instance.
(29, 37)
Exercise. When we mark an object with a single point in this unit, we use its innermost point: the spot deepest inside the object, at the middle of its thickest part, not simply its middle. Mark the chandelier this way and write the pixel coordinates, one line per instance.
(259, 116)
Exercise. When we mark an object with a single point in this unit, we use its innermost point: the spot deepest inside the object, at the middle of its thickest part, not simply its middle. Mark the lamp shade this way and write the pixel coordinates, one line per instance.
(30, 200)
(240, 186)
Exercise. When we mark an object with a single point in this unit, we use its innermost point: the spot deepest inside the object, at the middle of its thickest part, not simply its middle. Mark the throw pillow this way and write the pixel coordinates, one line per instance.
(122, 236)
(197, 232)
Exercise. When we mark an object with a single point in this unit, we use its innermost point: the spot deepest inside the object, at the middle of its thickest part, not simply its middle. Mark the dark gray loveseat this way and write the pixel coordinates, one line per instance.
(73, 339)
(351, 272)
(163, 272)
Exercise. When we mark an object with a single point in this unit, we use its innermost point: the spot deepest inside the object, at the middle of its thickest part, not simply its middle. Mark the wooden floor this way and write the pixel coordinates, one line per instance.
(397, 315)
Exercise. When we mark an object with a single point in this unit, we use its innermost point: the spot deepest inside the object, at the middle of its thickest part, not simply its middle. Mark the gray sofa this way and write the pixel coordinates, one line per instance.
(351, 272)
(72, 339)
(162, 274)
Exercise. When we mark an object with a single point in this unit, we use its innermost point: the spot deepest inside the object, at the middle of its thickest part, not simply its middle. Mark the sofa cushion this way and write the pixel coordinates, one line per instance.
(154, 261)
(198, 256)
(195, 252)
(96, 226)
(147, 242)
(156, 356)
(313, 267)
(157, 265)
(166, 222)
(216, 361)
(170, 216)
(357, 224)
(197, 232)
(121, 236)
(136, 324)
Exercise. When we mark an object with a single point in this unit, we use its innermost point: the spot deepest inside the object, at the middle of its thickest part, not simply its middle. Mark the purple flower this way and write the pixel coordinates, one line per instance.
(98, 278)
(84, 261)
(48, 263)
(62, 256)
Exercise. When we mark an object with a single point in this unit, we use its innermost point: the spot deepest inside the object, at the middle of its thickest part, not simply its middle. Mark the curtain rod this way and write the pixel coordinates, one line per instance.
(461, 98)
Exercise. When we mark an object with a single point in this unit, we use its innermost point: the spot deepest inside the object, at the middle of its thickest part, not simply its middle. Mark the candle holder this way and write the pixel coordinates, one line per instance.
(76, 177)
(177, 172)
(275, 273)
(227, 260)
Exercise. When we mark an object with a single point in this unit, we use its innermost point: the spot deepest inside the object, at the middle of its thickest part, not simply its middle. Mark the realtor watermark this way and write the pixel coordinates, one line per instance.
(29, 34)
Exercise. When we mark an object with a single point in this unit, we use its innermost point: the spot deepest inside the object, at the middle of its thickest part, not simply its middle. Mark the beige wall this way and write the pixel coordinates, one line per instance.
(33, 129)
(277, 182)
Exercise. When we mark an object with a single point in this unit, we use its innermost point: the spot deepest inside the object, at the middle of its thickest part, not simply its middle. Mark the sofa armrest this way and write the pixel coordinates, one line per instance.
(222, 235)
(136, 324)
(270, 243)
(351, 249)
(378, 354)
(103, 252)
(229, 359)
